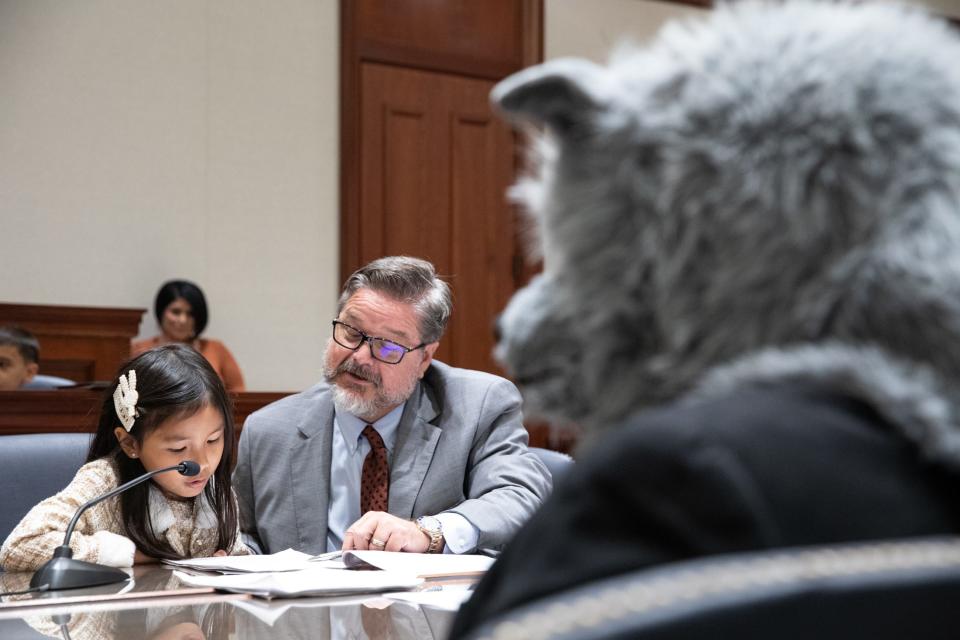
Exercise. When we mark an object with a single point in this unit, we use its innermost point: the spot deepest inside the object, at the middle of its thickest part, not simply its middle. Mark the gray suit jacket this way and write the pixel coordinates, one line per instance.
(460, 447)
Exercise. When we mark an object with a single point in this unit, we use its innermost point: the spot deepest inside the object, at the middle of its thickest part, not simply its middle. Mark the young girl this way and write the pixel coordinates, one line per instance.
(167, 406)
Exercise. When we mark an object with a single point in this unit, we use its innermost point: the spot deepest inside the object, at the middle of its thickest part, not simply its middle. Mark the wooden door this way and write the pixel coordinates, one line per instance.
(434, 167)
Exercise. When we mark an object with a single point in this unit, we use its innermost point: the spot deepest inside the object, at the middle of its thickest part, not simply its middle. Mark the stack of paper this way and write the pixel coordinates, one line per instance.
(438, 565)
(293, 574)
(288, 560)
(308, 582)
(416, 564)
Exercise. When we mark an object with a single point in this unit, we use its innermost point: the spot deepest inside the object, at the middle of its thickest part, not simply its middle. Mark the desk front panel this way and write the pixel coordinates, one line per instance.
(157, 606)
(67, 410)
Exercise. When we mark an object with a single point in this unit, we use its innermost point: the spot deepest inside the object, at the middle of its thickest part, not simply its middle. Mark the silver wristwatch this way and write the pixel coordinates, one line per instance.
(431, 526)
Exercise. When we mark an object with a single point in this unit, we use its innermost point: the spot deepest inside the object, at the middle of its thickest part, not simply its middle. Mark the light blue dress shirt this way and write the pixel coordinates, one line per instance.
(350, 449)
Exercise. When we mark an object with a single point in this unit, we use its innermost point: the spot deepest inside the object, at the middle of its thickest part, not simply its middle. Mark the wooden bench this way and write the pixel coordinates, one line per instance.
(78, 343)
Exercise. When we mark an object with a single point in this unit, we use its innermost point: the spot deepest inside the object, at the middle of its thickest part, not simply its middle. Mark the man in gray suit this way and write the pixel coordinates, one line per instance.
(436, 455)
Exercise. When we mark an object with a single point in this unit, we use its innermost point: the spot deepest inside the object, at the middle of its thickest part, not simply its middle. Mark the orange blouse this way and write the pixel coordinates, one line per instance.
(214, 351)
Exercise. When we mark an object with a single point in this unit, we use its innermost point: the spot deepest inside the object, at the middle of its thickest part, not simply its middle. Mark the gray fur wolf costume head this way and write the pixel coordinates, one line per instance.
(768, 195)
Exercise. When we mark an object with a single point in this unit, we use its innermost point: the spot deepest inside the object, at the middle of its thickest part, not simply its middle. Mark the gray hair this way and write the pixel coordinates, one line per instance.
(775, 176)
(410, 280)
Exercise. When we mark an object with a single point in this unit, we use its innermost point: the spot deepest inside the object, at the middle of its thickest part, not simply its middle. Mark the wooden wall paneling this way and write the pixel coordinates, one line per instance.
(59, 411)
(246, 402)
(77, 341)
(68, 410)
(465, 37)
(531, 32)
(482, 241)
(398, 161)
(558, 438)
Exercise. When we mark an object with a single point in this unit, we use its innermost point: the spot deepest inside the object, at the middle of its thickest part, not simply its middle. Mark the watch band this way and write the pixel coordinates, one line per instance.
(435, 534)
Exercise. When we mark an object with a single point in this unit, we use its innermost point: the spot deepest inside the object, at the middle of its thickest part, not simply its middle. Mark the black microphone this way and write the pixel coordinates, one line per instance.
(63, 572)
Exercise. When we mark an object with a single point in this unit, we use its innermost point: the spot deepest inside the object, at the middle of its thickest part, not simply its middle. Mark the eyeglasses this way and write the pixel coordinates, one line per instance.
(380, 348)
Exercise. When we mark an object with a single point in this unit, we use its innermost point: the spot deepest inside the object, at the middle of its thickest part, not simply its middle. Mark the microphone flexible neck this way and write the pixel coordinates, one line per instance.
(76, 517)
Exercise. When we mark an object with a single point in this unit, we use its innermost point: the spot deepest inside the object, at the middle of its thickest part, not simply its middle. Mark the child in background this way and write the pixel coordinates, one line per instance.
(167, 407)
(19, 358)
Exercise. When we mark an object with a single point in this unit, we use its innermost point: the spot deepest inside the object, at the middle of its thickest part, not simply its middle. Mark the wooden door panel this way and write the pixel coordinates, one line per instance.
(460, 220)
(480, 38)
(434, 167)
(403, 186)
(394, 127)
(406, 181)
(482, 238)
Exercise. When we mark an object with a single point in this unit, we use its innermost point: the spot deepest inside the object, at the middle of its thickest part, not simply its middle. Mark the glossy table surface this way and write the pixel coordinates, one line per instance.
(155, 605)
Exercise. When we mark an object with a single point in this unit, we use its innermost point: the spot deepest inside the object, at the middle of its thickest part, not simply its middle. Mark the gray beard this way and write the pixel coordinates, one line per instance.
(355, 404)
(346, 402)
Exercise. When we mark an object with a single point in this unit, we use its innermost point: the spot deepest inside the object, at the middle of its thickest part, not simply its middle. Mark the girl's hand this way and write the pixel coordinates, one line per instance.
(141, 558)
(219, 553)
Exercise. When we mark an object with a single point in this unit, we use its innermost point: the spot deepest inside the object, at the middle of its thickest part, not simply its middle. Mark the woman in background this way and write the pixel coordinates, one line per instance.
(181, 312)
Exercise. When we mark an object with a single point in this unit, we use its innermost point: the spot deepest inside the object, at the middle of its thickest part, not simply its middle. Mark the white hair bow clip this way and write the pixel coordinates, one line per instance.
(125, 400)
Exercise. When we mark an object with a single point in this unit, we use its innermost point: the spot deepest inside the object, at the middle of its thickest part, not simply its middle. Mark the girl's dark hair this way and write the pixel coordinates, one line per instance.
(190, 292)
(173, 381)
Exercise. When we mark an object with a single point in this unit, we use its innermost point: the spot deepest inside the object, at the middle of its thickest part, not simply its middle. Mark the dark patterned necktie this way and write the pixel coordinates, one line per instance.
(375, 478)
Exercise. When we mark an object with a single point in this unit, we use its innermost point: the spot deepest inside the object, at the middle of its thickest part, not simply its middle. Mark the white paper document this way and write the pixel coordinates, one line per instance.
(309, 582)
(445, 599)
(424, 565)
(288, 560)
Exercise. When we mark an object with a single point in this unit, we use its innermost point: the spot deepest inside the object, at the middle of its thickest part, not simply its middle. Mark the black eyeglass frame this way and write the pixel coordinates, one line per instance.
(369, 340)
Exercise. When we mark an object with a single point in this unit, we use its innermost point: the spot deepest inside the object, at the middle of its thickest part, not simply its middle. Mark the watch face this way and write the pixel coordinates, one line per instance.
(429, 522)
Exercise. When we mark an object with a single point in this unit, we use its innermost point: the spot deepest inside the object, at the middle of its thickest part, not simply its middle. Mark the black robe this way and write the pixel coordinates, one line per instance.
(761, 468)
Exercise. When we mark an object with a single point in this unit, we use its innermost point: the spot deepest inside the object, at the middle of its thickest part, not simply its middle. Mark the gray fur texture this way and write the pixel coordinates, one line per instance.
(770, 193)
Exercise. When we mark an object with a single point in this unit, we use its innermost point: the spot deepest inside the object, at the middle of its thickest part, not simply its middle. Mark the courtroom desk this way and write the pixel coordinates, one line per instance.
(78, 409)
(196, 613)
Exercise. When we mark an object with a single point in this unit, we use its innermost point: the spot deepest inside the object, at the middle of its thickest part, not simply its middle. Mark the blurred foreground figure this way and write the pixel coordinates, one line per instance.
(751, 291)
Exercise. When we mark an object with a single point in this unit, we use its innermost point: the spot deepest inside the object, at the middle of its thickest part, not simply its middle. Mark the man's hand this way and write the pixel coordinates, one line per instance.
(379, 531)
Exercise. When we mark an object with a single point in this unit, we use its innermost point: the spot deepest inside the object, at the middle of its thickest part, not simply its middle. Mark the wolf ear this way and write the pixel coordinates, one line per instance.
(560, 94)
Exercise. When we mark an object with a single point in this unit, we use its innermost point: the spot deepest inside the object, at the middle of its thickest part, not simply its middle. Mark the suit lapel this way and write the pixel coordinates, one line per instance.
(416, 442)
(310, 475)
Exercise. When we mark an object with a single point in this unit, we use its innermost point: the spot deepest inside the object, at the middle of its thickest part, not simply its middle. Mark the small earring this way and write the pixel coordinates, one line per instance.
(133, 455)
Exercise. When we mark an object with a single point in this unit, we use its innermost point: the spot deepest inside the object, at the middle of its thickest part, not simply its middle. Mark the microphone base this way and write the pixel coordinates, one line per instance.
(67, 573)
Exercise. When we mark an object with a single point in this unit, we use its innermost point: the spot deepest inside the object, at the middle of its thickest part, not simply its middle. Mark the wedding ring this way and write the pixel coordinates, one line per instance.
(376, 542)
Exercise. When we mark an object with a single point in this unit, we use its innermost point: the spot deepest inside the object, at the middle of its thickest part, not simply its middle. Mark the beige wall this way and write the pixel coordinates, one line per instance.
(143, 140)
